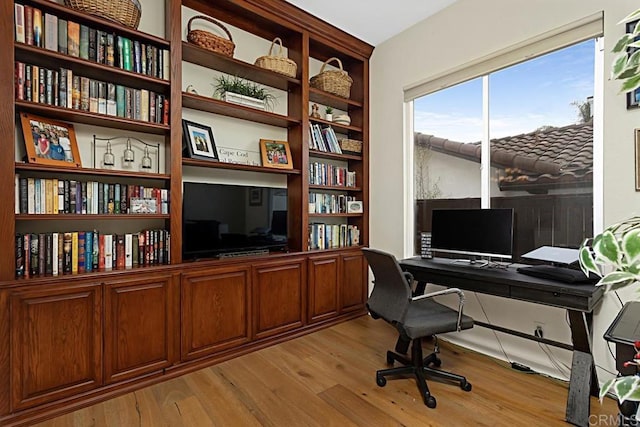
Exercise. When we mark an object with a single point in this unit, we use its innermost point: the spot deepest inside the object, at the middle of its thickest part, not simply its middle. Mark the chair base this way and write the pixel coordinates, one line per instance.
(419, 367)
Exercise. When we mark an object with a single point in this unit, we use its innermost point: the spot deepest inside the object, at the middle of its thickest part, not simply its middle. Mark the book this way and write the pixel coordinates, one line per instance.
(42, 81)
(73, 38)
(126, 54)
(62, 85)
(108, 251)
(101, 41)
(96, 250)
(42, 254)
(54, 253)
(19, 80)
(111, 99)
(120, 251)
(67, 255)
(48, 256)
(33, 255)
(88, 251)
(144, 105)
(70, 90)
(82, 247)
(109, 51)
(128, 250)
(135, 250)
(101, 251)
(50, 32)
(27, 82)
(84, 85)
(116, 199)
(37, 27)
(61, 196)
(19, 25)
(120, 101)
(91, 49)
(166, 64)
(19, 253)
(63, 27)
(93, 96)
(31, 196)
(60, 253)
(83, 51)
(74, 252)
(102, 98)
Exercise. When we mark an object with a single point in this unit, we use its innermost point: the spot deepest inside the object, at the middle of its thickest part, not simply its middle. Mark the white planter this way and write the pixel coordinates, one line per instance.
(328, 117)
(247, 101)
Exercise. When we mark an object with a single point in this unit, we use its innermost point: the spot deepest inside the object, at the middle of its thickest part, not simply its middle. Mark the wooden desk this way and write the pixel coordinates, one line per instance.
(578, 300)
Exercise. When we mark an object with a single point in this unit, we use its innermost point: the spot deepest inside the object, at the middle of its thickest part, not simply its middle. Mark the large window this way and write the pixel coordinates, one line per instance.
(534, 121)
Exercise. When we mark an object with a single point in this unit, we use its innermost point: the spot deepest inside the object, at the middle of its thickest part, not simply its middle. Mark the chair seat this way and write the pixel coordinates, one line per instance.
(427, 317)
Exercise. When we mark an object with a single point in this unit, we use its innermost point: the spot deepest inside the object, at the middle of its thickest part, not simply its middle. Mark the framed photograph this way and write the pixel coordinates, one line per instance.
(50, 142)
(255, 197)
(276, 154)
(354, 206)
(199, 141)
(633, 98)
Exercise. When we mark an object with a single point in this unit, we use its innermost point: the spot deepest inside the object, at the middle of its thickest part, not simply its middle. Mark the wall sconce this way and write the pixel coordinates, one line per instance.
(131, 144)
(109, 159)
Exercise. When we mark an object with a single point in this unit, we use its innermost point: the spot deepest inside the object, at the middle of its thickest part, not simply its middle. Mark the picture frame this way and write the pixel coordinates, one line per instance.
(354, 206)
(633, 98)
(255, 197)
(50, 142)
(198, 141)
(637, 157)
(275, 154)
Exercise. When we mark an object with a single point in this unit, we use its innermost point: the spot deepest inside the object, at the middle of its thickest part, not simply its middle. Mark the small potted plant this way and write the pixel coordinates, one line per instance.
(240, 91)
(328, 114)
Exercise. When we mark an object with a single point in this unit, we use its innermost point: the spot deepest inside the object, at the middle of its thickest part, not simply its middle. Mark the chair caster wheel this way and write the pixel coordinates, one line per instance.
(430, 402)
(464, 385)
(390, 358)
(381, 381)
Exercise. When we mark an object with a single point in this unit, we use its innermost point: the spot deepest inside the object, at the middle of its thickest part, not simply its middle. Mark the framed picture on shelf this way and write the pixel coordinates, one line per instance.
(255, 197)
(275, 154)
(199, 141)
(633, 98)
(50, 142)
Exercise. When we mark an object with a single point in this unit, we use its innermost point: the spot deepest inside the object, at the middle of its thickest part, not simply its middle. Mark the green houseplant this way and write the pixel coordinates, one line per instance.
(614, 255)
(225, 85)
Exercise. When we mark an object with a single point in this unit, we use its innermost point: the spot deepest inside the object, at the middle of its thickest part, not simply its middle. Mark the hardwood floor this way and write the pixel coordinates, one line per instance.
(328, 378)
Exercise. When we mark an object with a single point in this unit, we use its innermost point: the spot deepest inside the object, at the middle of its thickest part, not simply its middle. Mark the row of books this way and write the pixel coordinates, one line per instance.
(323, 139)
(58, 196)
(37, 28)
(327, 174)
(62, 88)
(323, 203)
(332, 236)
(53, 254)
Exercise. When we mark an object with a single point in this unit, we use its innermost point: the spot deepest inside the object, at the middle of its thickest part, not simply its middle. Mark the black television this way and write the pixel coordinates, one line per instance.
(224, 220)
(473, 232)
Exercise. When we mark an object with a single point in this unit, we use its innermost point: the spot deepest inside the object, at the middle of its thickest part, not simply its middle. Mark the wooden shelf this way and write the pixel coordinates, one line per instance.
(52, 60)
(326, 98)
(94, 21)
(325, 155)
(92, 217)
(337, 127)
(234, 166)
(334, 188)
(338, 215)
(342, 248)
(210, 105)
(215, 61)
(94, 119)
(90, 171)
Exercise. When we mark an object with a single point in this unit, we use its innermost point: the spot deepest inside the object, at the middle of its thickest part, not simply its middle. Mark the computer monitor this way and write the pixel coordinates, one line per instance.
(473, 232)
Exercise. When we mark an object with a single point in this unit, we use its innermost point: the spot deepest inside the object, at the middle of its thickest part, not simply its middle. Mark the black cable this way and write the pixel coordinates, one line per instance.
(494, 332)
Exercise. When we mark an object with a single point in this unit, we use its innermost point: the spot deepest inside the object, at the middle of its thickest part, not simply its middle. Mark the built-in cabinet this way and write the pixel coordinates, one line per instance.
(71, 340)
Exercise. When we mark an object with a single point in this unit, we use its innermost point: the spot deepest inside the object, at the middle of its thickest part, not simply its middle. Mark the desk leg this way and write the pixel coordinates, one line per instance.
(584, 380)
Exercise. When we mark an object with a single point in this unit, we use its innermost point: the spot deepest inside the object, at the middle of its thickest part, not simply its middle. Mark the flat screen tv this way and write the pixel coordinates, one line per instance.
(473, 232)
(221, 219)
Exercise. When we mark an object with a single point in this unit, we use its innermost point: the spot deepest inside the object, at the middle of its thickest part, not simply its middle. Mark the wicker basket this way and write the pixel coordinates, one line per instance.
(126, 12)
(351, 145)
(336, 82)
(278, 62)
(209, 40)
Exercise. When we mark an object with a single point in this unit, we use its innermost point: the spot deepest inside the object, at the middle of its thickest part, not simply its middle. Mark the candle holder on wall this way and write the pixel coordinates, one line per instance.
(130, 144)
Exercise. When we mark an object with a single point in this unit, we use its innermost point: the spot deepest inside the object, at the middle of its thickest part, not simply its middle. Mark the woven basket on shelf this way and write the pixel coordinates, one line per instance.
(210, 41)
(277, 62)
(351, 145)
(126, 12)
(336, 82)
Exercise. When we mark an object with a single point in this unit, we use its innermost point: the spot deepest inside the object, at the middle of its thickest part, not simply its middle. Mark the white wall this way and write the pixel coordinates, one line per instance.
(463, 32)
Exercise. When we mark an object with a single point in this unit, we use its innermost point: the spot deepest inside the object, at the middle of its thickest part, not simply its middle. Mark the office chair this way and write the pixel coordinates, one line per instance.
(414, 318)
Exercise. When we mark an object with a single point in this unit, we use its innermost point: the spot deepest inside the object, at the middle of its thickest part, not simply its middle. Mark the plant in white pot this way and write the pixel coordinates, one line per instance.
(244, 92)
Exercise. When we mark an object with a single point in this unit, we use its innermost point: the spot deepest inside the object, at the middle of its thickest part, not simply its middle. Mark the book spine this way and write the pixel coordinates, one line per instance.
(67, 262)
(28, 24)
(93, 96)
(74, 252)
(42, 251)
(101, 251)
(51, 32)
(73, 38)
(110, 50)
(42, 84)
(120, 251)
(63, 26)
(116, 199)
(82, 247)
(102, 98)
(111, 99)
(124, 202)
(19, 23)
(91, 49)
(96, 250)
(128, 250)
(37, 27)
(60, 253)
(48, 254)
(83, 93)
(19, 80)
(135, 253)
(63, 88)
(84, 42)
(54, 254)
(88, 251)
(19, 255)
(28, 69)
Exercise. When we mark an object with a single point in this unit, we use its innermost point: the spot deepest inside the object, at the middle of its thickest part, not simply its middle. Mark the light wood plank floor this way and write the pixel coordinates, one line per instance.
(328, 379)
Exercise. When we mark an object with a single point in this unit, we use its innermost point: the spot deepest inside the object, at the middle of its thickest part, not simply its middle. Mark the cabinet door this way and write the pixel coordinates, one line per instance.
(215, 310)
(324, 277)
(139, 326)
(279, 297)
(354, 282)
(56, 343)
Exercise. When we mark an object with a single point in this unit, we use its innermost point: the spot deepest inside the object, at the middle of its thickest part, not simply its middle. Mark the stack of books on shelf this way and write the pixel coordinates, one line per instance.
(62, 88)
(36, 28)
(327, 174)
(331, 236)
(53, 254)
(58, 196)
(323, 203)
(324, 140)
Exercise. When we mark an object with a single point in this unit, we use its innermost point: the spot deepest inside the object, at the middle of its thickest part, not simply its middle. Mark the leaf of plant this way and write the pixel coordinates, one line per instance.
(636, 29)
(625, 386)
(622, 43)
(605, 388)
(631, 246)
(628, 72)
(587, 263)
(635, 43)
(630, 17)
(607, 247)
(621, 278)
(619, 66)
(631, 84)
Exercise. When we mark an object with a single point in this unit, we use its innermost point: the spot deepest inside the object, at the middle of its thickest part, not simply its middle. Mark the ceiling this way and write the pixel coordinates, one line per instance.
(373, 21)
